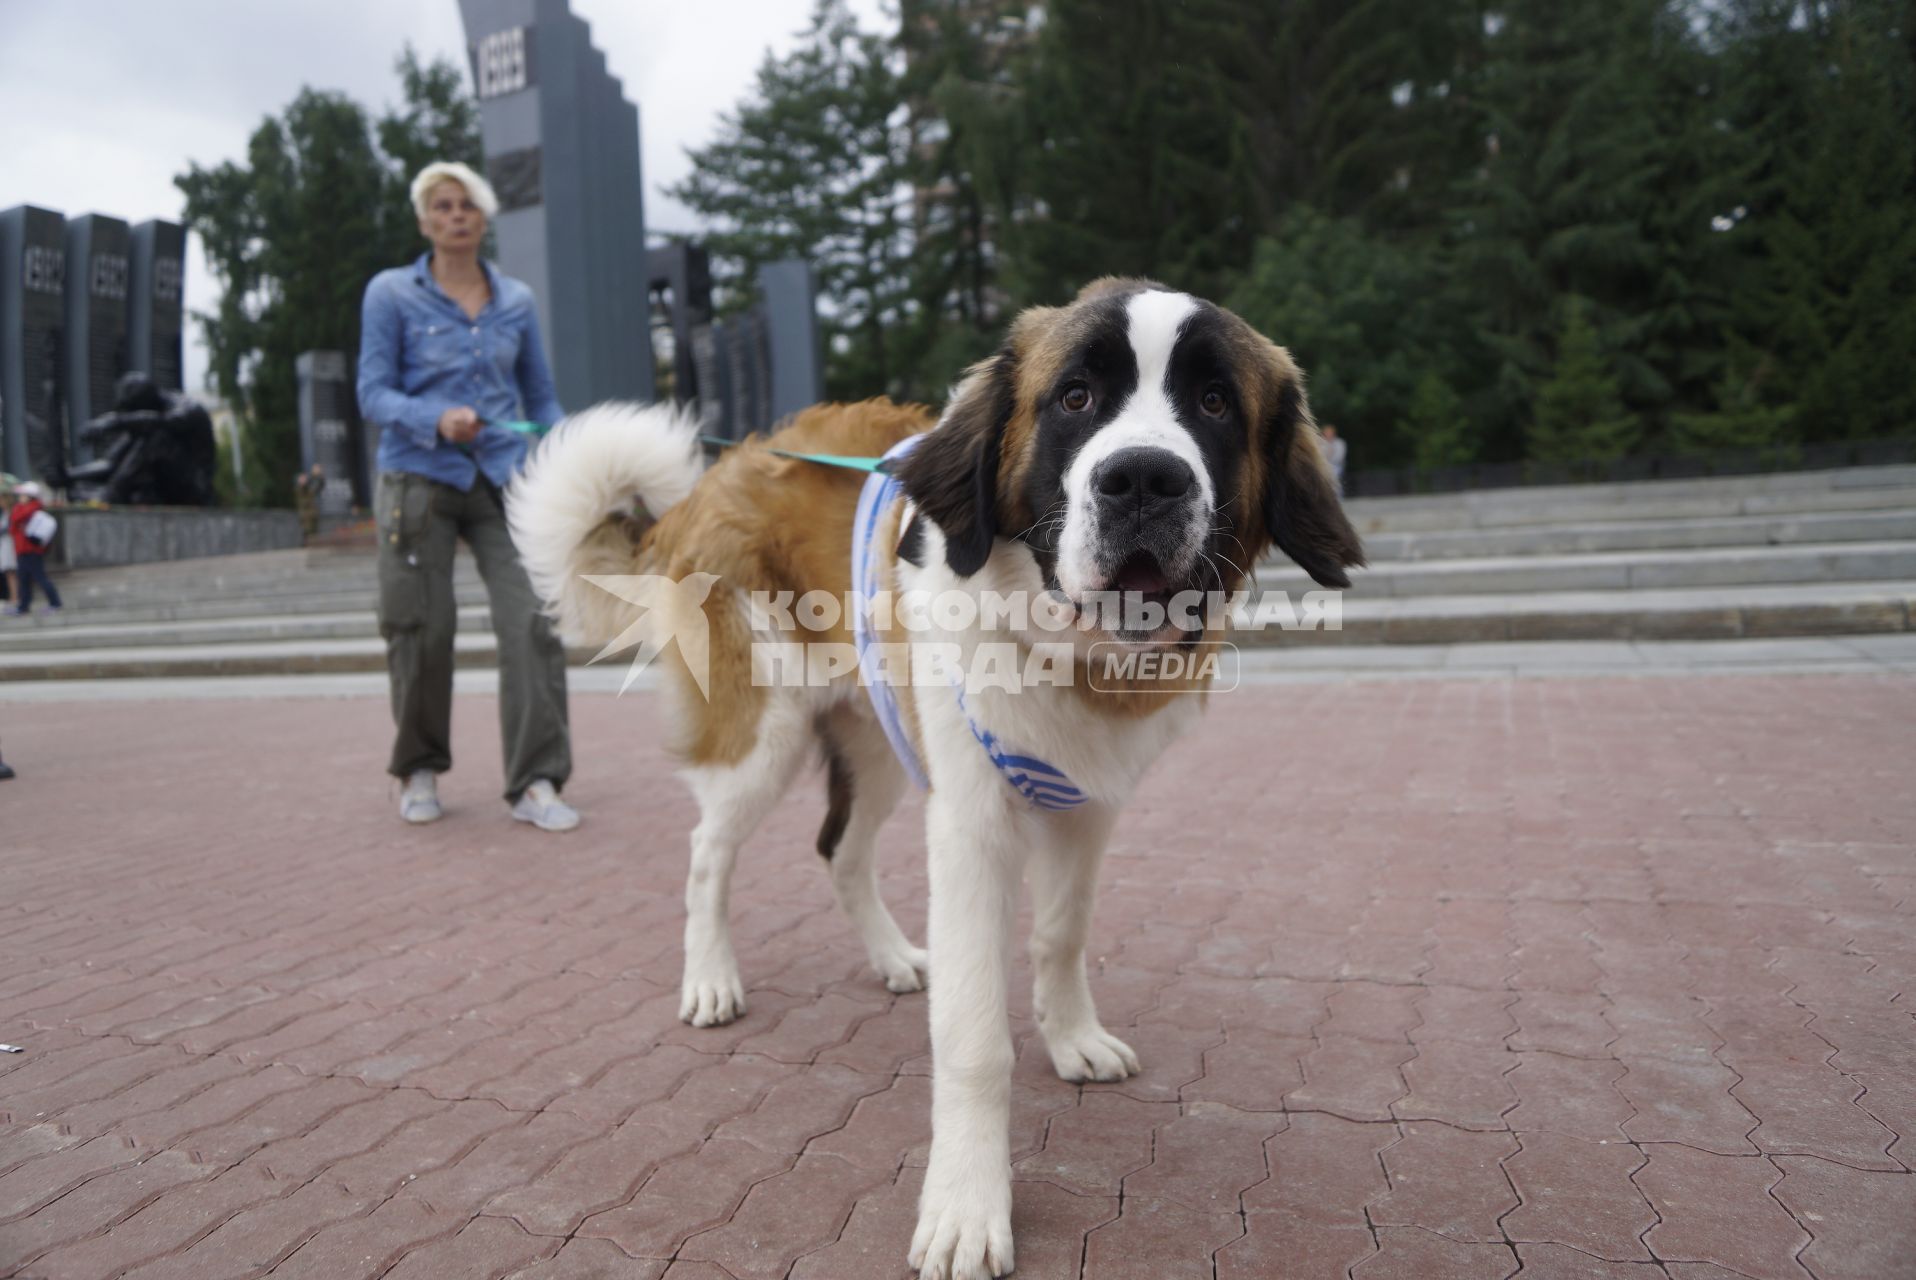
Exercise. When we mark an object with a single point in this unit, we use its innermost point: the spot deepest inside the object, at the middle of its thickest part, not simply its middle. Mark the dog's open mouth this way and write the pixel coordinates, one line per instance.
(1135, 601)
(1142, 578)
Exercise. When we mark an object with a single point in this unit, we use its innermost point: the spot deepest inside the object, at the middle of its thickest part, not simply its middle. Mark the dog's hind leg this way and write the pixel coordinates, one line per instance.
(864, 782)
(733, 799)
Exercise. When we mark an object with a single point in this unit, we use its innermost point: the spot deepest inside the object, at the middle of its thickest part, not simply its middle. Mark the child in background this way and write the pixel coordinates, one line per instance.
(31, 536)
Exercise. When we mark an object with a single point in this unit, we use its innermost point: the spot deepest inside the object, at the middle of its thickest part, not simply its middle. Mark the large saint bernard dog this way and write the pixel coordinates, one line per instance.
(1138, 441)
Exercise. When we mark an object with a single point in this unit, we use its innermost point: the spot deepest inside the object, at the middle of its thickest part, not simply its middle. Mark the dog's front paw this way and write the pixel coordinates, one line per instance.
(964, 1232)
(1091, 1053)
(903, 969)
(711, 1000)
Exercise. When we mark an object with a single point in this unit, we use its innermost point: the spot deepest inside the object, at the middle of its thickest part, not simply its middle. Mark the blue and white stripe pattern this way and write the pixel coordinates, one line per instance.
(880, 491)
(1042, 786)
(1039, 783)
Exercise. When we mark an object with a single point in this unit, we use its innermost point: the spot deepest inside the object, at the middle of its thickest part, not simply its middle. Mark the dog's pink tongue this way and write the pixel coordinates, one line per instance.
(1141, 573)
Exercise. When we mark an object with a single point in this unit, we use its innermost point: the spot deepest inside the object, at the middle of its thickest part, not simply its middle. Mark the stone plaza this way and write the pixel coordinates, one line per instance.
(1578, 958)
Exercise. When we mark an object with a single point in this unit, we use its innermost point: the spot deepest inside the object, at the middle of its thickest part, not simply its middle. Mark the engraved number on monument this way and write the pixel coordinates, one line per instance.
(501, 64)
(44, 270)
(166, 279)
(109, 275)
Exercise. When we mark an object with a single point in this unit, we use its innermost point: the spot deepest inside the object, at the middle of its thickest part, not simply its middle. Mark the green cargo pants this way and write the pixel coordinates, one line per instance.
(420, 522)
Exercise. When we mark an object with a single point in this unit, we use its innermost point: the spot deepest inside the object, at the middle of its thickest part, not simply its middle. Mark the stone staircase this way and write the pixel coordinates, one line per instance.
(1830, 553)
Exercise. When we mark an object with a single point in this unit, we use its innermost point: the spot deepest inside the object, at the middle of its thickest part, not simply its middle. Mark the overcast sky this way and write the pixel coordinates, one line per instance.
(103, 102)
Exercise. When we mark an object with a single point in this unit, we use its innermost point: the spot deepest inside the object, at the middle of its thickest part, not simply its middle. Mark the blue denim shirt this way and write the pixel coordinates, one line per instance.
(420, 354)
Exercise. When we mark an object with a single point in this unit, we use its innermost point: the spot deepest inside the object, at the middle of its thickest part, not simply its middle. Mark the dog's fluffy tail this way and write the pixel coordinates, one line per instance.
(586, 493)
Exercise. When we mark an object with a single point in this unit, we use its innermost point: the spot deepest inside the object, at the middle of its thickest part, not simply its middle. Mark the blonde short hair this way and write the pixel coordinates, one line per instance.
(452, 171)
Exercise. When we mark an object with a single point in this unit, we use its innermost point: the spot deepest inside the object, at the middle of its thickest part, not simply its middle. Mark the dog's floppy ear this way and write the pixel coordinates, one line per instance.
(1302, 512)
(952, 475)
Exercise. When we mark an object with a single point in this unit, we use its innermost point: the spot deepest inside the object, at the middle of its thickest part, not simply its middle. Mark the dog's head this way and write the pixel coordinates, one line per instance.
(1140, 441)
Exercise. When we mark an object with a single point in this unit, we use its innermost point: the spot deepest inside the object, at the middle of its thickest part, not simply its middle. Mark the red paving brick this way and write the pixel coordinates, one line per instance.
(1410, 1253)
(1716, 1209)
(1603, 979)
(1447, 1180)
(581, 1259)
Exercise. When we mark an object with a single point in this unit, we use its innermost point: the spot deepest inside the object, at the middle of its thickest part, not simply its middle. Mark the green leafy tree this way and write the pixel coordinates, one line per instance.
(436, 120)
(294, 233)
(1366, 317)
(810, 165)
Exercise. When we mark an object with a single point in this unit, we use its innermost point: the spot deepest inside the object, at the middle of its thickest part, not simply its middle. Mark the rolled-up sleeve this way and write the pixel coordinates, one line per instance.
(382, 391)
(536, 391)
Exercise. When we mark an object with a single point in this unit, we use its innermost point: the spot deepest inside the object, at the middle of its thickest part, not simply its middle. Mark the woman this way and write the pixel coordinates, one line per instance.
(449, 350)
(9, 562)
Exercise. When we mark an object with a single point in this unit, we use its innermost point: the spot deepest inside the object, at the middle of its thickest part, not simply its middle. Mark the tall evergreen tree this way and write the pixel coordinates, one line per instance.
(962, 82)
(1824, 223)
(1588, 188)
(1140, 152)
(1440, 432)
(1531, 228)
(810, 165)
(1353, 107)
(1580, 413)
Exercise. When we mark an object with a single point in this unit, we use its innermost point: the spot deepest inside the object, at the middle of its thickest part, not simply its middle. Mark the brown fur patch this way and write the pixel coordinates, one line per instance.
(1104, 286)
(765, 523)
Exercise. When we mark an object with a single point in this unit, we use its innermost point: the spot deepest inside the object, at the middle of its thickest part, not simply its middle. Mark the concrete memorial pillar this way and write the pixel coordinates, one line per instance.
(683, 272)
(562, 151)
(791, 337)
(326, 398)
(32, 337)
(155, 308)
(96, 348)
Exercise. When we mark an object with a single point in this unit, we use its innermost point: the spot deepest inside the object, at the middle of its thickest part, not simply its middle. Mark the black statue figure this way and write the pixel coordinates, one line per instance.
(156, 448)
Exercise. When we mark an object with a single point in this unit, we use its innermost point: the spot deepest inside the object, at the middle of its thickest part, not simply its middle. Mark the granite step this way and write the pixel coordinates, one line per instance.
(1626, 576)
(1853, 489)
(1616, 570)
(1715, 613)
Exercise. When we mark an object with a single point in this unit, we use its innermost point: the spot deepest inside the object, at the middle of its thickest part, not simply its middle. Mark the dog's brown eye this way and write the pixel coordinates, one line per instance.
(1076, 398)
(1212, 402)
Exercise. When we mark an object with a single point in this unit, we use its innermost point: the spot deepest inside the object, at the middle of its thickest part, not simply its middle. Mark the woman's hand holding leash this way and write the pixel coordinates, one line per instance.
(460, 424)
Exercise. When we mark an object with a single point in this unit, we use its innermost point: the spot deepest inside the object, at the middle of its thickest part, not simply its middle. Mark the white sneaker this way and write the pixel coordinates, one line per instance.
(419, 802)
(541, 806)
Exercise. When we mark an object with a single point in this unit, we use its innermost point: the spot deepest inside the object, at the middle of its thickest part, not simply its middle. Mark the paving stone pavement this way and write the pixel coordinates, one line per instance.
(1604, 979)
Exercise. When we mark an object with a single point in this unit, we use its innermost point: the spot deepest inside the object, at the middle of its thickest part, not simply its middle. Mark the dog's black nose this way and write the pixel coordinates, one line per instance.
(1141, 480)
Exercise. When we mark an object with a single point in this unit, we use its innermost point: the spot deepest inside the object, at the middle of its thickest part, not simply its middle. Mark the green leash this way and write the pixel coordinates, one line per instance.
(533, 429)
(847, 461)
